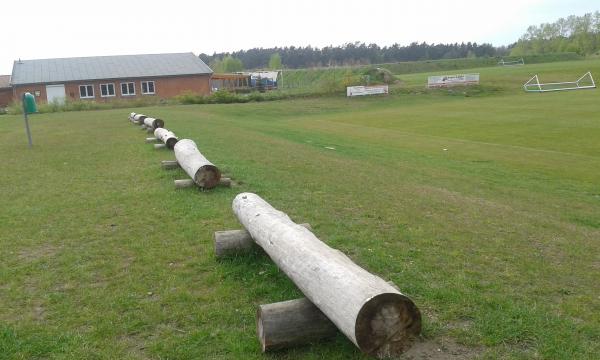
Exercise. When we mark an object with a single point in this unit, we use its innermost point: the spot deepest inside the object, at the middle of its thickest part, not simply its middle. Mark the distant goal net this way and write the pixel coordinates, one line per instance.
(584, 82)
(518, 62)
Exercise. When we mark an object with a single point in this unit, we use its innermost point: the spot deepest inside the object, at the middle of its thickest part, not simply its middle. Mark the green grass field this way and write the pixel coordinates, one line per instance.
(485, 210)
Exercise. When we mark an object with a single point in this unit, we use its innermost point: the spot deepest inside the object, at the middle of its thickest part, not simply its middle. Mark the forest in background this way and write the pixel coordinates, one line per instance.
(577, 34)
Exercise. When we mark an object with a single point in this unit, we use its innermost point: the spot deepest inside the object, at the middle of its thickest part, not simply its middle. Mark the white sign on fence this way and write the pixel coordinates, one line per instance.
(450, 80)
(366, 90)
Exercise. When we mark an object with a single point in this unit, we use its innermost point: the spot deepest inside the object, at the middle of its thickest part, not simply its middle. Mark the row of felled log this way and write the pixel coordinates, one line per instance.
(339, 295)
(202, 172)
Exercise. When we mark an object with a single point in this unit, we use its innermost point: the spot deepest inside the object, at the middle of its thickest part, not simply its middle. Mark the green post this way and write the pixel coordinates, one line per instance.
(29, 107)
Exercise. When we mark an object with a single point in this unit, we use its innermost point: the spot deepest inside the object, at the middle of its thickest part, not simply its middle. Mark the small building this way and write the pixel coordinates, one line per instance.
(105, 78)
(232, 82)
(5, 91)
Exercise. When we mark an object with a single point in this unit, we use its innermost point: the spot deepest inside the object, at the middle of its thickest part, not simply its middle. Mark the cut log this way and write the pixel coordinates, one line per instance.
(230, 242)
(166, 136)
(225, 182)
(376, 317)
(288, 323)
(139, 119)
(184, 183)
(169, 164)
(160, 146)
(151, 140)
(131, 116)
(153, 123)
(203, 172)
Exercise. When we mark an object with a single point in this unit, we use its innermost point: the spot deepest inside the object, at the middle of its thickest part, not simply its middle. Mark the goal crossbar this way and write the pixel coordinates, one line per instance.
(518, 62)
(534, 85)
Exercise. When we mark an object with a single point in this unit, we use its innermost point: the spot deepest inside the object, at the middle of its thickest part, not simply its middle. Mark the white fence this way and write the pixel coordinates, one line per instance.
(452, 80)
(366, 90)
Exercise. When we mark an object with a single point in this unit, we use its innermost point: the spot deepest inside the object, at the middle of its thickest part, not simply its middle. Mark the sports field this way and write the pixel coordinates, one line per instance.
(484, 209)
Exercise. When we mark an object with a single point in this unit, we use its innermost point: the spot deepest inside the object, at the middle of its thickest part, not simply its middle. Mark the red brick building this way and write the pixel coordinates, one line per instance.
(105, 78)
(5, 91)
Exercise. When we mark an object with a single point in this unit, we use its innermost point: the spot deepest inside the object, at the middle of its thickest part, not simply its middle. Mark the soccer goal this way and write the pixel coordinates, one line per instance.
(503, 62)
(584, 82)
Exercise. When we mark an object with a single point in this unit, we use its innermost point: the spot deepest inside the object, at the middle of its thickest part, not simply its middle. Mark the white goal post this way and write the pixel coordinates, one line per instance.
(518, 62)
(584, 82)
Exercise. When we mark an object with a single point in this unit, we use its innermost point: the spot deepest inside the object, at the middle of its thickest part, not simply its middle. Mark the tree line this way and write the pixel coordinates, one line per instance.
(580, 34)
(346, 55)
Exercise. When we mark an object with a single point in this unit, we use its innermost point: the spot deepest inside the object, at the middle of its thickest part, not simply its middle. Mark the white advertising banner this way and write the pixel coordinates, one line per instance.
(450, 80)
(366, 90)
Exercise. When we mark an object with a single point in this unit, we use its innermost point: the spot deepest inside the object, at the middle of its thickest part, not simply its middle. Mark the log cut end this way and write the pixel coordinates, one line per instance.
(171, 142)
(207, 176)
(387, 325)
(158, 123)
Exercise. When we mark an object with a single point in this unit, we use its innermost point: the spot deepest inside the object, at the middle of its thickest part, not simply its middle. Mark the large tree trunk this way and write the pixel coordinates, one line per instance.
(166, 136)
(288, 323)
(229, 242)
(203, 172)
(153, 123)
(375, 316)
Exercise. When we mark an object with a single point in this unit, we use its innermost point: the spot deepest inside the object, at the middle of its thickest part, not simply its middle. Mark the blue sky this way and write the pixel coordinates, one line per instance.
(62, 28)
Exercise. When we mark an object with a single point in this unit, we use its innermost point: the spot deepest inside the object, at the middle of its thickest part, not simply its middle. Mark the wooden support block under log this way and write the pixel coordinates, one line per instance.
(289, 323)
(230, 242)
(143, 127)
(160, 146)
(153, 123)
(151, 140)
(186, 183)
(203, 172)
(169, 164)
(150, 130)
(166, 136)
(376, 317)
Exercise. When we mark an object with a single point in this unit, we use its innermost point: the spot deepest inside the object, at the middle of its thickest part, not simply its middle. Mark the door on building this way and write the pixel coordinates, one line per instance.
(55, 93)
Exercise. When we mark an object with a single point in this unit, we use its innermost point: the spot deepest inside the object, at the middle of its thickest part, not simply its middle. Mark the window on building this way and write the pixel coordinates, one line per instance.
(107, 90)
(86, 91)
(127, 89)
(148, 87)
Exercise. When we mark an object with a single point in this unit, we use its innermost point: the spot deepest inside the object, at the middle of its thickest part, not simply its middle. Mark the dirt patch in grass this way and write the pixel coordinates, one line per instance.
(37, 253)
(440, 349)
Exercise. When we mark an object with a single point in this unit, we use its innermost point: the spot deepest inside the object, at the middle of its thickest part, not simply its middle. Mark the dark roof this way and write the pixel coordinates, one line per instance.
(4, 81)
(106, 67)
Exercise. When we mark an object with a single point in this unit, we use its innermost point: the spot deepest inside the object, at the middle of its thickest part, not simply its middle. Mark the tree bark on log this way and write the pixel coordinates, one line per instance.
(288, 323)
(376, 317)
(166, 136)
(203, 172)
(229, 242)
(153, 123)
